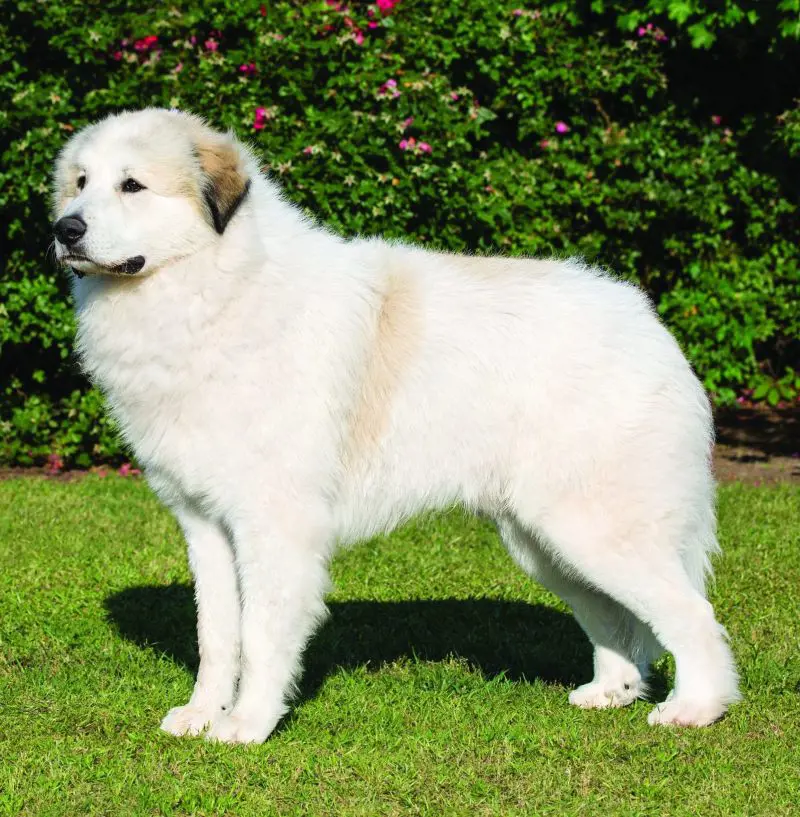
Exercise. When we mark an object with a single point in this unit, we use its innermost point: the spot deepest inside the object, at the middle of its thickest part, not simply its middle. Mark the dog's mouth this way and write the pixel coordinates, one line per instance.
(81, 264)
(129, 267)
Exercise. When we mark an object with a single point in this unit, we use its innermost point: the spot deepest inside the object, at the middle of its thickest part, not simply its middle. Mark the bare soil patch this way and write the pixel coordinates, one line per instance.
(758, 445)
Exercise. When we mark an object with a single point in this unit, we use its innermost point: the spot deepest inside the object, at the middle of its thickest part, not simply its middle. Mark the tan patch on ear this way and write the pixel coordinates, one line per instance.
(395, 343)
(226, 179)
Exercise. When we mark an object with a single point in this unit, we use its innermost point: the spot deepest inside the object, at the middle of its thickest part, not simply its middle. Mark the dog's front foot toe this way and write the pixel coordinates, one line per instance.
(190, 719)
(677, 712)
(238, 728)
(598, 695)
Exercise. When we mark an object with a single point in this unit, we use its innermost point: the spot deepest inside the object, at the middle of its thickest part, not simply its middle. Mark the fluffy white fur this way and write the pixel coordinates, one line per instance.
(287, 390)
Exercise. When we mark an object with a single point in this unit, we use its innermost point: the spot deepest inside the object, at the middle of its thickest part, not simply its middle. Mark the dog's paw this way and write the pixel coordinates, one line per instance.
(599, 695)
(238, 728)
(190, 719)
(677, 712)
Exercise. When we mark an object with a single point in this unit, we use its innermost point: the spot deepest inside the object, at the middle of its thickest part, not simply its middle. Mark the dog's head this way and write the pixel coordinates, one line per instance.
(139, 190)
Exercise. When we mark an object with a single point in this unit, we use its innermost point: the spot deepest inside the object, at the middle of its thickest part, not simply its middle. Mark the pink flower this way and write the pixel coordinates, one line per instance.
(544, 144)
(407, 122)
(372, 24)
(562, 127)
(260, 121)
(386, 6)
(358, 36)
(248, 69)
(518, 12)
(412, 144)
(454, 96)
(389, 87)
(641, 31)
(211, 44)
(716, 120)
(117, 55)
(54, 464)
(178, 68)
(127, 470)
(146, 43)
(193, 40)
(308, 150)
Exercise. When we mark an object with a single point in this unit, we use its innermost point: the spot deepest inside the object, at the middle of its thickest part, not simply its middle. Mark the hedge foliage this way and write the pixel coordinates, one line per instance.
(563, 128)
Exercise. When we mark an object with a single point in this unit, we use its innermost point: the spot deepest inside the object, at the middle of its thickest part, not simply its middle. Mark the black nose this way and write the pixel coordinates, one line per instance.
(68, 230)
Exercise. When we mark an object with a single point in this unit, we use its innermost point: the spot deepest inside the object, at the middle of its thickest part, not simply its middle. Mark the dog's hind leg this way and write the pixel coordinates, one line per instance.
(217, 597)
(643, 550)
(623, 646)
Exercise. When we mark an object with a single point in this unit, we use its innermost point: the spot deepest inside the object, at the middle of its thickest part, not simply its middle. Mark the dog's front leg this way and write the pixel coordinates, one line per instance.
(281, 561)
(218, 621)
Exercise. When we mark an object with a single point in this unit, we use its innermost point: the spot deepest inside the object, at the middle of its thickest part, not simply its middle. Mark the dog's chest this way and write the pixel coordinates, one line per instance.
(159, 372)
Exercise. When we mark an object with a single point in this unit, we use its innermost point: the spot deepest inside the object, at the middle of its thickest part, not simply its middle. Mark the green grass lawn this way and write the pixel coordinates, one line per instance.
(438, 686)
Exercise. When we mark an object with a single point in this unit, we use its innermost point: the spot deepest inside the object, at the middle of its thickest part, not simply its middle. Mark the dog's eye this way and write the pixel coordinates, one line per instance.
(81, 183)
(131, 186)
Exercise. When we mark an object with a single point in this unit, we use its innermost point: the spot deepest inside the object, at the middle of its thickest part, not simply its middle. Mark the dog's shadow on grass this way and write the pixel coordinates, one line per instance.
(510, 638)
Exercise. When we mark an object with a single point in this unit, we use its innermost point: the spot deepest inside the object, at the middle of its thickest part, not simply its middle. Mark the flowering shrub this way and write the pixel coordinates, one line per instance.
(705, 20)
(467, 124)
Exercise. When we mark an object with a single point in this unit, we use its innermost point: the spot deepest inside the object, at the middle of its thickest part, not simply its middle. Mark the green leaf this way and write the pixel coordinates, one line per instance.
(680, 11)
(761, 390)
(701, 36)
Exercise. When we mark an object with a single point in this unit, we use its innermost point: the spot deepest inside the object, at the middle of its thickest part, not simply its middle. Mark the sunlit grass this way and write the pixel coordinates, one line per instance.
(438, 686)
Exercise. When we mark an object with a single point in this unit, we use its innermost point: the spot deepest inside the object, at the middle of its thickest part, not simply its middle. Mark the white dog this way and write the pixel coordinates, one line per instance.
(287, 390)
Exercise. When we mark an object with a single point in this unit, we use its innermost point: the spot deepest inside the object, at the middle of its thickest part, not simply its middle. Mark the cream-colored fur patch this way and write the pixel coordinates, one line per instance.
(397, 337)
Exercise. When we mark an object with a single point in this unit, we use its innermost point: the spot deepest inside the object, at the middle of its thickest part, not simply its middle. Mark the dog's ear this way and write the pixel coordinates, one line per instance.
(225, 180)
